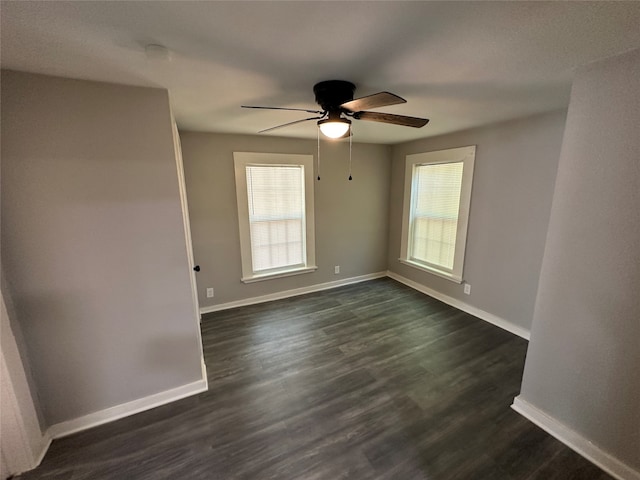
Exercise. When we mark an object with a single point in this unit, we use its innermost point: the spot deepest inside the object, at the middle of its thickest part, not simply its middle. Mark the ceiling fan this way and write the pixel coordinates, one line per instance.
(337, 102)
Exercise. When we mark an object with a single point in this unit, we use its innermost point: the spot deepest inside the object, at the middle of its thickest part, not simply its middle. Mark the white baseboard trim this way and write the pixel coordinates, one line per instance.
(37, 456)
(107, 415)
(575, 441)
(44, 448)
(291, 293)
(465, 307)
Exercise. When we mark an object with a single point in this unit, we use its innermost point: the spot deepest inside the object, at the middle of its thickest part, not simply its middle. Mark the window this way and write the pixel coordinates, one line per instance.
(436, 210)
(275, 213)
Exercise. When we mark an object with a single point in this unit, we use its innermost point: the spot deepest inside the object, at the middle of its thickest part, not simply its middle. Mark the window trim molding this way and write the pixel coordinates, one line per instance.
(279, 274)
(451, 155)
(241, 161)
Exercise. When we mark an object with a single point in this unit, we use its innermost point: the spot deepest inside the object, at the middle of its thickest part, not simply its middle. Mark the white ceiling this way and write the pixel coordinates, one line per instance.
(461, 64)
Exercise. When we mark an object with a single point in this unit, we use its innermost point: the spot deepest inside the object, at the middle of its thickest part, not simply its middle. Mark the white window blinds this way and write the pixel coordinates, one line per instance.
(276, 216)
(434, 219)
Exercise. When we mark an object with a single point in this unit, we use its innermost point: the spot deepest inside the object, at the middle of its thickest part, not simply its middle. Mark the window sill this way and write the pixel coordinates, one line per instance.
(280, 274)
(446, 275)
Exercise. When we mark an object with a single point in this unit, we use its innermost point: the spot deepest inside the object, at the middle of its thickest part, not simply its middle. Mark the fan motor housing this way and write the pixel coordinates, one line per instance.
(330, 94)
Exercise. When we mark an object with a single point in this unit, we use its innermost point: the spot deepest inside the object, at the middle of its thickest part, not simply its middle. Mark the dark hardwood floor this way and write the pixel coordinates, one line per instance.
(368, 381)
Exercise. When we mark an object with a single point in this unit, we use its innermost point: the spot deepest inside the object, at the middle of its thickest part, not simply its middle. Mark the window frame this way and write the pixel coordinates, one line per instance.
(241, 161)
(466, 155)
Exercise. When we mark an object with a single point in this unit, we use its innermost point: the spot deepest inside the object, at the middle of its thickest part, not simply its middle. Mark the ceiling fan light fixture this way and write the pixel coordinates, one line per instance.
(335, 97)
(334, 127)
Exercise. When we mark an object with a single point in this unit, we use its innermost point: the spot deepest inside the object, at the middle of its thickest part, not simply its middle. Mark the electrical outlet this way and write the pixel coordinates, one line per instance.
(467, 288)
(336, 269)
(209, 292)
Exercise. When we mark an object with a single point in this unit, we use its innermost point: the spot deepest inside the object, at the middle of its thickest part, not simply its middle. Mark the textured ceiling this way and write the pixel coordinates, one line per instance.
(461, 64)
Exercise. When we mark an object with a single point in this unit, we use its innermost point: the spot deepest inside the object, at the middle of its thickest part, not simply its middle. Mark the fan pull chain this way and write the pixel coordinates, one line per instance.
(350, 142)
(318, 153)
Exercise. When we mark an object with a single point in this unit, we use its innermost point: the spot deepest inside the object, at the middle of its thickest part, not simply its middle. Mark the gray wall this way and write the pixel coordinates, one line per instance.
(351, 217)
(93, 244)
(584, 354)
(513, 183)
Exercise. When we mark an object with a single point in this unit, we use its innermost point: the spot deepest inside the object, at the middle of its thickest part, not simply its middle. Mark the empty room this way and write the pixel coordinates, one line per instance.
(320, 240)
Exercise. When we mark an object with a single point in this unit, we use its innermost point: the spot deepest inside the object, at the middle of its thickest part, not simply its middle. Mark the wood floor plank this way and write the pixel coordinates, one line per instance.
(370, 381)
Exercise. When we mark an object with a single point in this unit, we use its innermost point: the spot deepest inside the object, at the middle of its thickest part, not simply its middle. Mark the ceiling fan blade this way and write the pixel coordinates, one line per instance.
(283, 108)
(381, 99)
(291, 123)
(391, 118)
